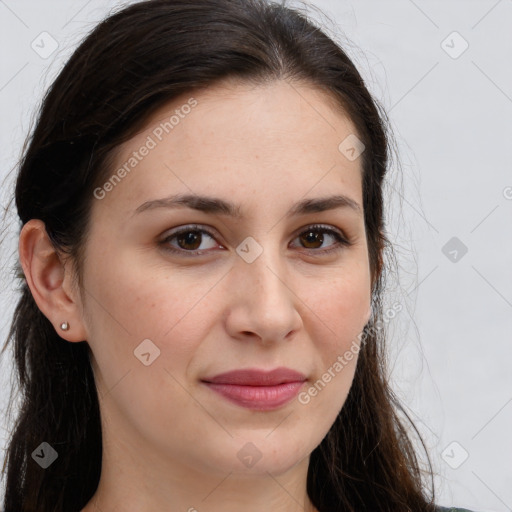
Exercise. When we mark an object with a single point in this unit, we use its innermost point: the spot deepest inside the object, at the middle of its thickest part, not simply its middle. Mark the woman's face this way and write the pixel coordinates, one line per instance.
(165, 312)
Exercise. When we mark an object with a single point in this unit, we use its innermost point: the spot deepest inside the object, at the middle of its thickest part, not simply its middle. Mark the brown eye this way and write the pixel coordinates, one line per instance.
(315, 236)
(190, 241)
(311, 239)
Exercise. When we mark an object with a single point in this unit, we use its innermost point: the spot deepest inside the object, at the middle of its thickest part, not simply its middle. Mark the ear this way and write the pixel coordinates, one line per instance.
(50, 281)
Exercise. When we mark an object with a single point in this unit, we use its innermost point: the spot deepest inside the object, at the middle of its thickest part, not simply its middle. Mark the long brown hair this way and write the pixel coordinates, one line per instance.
(130, 65)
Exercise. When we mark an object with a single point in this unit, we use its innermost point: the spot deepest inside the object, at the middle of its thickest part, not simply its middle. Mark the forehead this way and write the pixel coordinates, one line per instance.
(281, 138)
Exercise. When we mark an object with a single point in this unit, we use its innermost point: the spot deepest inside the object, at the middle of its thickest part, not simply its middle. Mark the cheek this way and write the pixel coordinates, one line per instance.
(129, 305)
(340, 309)
(141, 301)
(339, 312)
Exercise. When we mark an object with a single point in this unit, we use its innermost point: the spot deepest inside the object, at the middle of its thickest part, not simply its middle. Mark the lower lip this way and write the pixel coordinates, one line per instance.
(260, 398)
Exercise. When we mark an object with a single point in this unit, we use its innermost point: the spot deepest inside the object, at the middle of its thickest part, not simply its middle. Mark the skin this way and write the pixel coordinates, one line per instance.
(170, 443)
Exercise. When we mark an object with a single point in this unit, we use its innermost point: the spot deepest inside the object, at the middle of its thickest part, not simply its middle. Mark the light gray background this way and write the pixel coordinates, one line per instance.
(452, 117)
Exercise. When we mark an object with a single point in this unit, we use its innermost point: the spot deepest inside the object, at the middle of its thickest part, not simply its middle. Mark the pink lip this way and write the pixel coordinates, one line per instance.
(258, 389)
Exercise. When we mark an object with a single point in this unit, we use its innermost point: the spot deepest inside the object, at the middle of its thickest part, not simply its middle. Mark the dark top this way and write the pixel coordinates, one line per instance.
(440, 509)
(453, 509)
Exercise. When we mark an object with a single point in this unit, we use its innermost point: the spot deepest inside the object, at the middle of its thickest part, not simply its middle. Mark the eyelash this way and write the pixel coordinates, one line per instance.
(341, 242)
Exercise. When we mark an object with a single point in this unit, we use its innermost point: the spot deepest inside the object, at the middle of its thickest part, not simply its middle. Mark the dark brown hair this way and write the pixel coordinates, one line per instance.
(131, 64)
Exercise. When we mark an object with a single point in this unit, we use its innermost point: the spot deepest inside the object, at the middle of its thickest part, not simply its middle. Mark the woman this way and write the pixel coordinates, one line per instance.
(202, 247)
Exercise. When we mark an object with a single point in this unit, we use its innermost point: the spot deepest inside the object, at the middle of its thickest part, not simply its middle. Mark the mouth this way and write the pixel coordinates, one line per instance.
(257, 389)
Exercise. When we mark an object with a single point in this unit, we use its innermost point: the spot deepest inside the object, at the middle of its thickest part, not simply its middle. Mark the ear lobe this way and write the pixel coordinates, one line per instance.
(46, 276)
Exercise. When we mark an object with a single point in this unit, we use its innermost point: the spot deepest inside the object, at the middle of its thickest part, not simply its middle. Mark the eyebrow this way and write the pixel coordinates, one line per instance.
(216, 205)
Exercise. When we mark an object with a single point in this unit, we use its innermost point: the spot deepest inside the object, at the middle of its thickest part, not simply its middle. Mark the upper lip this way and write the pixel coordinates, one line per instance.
(256, 377)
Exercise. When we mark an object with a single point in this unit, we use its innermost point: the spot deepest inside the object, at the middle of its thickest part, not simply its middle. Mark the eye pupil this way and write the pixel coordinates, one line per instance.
(312, 237)
(189, 237)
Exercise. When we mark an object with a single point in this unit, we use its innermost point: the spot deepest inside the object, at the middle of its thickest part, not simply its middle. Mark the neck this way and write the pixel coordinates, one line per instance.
(151, 483)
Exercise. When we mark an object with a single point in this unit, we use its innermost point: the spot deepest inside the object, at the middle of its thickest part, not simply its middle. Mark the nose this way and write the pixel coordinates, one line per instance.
(263, 304)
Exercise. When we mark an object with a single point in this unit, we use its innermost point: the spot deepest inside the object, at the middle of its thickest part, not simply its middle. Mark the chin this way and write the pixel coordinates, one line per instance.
(261, 454)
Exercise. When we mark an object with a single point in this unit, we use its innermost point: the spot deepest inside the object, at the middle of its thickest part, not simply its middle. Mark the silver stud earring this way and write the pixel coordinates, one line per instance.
(64, 326)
